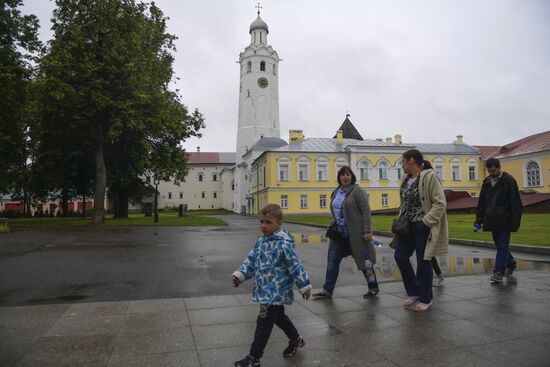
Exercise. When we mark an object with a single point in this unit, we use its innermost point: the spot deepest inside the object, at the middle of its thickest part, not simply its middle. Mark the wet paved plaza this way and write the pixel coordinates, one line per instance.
(472, 323)
(162, 297)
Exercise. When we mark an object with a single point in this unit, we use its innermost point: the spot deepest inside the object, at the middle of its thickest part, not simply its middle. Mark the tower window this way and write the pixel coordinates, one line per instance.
(274, 69)
(262, 66)
(249, 66)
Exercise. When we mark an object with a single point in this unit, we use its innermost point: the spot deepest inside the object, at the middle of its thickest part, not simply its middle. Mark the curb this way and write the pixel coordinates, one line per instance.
(458, 241)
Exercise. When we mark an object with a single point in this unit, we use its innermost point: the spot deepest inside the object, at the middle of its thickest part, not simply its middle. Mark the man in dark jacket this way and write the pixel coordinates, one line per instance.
(499, 211)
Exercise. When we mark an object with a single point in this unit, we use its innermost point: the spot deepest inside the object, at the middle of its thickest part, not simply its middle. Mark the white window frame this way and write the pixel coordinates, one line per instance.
(439, 164)
(324, 163)
(200, 177)
(303, 202)
(283, 162)
(399, 169)
(364, 168)
(301, 163)
(323, 201)
(383, 168)
(284, 201)
(457, 167)
(303, 171)
(456, 163)
(474, 172)
(385, 200)
(533, 177)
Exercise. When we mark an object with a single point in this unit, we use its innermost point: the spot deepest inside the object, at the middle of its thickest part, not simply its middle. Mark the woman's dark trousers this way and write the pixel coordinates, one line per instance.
(415, 241)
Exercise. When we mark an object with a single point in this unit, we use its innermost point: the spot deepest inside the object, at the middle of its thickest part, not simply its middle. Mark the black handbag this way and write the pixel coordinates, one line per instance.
(400, 226)
(333, 233)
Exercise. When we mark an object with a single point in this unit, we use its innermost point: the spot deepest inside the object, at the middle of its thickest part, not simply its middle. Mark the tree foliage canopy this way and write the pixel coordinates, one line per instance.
(104, 91)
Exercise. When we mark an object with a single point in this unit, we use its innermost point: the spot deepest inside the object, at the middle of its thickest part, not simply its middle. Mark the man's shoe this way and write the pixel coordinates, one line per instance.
(248, 361)
(321, 295)
(438, 281)
(496, 278)
(371, 293)
(293, 347)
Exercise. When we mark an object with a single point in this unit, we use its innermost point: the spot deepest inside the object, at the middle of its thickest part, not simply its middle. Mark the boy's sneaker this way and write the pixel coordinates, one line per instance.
(496, 278)
(293, 347)
(438, 281)
(248, 361)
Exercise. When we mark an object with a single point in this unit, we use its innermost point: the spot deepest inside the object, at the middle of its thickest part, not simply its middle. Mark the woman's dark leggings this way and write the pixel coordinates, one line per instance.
(436, 267)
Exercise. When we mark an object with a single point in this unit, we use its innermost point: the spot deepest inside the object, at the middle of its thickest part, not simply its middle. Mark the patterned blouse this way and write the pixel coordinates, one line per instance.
(411, 207)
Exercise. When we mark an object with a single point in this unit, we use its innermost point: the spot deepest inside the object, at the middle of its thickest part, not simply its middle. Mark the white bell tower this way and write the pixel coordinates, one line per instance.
(258, 89)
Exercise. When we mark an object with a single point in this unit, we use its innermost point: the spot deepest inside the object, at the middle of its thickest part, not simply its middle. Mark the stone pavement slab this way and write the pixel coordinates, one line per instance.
(472, 323)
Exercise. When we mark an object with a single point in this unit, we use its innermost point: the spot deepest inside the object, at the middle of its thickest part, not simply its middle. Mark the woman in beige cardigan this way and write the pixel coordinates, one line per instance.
(423, 205)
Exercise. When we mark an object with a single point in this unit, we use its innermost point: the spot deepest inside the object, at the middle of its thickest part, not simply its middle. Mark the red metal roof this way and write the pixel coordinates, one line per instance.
(487, 151)
(211, 158)
(206, 157)
(530, 144)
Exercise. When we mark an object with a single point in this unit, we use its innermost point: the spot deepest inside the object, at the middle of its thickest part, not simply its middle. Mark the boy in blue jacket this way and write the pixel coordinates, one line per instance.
(276, 268)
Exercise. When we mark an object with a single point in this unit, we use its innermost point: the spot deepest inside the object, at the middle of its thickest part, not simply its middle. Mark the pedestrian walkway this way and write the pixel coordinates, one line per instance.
(473, 323)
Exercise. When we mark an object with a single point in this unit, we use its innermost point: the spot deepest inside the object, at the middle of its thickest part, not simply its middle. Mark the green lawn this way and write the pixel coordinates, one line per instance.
(165, 219)
(535, 228)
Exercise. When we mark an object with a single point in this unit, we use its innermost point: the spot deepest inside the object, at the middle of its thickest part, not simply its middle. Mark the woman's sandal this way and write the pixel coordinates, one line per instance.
(411, 301)
(423, 307)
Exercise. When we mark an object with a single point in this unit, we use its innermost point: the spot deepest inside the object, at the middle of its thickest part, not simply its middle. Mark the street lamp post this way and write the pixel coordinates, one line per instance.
(156, 204)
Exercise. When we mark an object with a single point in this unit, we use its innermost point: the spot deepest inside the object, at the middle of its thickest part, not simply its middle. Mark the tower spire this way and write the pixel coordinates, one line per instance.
(258, 7)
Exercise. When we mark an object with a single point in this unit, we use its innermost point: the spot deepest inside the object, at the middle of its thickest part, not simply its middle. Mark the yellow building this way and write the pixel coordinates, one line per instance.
(301, 175)
(527, 160)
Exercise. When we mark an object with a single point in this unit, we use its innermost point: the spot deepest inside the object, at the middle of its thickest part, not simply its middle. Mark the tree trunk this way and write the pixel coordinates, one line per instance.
(121, 205)
(83, 206)
(100, 181)
(65, 202)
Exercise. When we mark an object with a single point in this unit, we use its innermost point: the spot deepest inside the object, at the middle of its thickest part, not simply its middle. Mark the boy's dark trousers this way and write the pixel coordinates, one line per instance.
(271, 315)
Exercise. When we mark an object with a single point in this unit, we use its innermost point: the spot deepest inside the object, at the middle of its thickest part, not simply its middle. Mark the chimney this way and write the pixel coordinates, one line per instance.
(459, 139)
(295, 136)
(198, 149)
(340, 137)
(388, 140)
(398, 139)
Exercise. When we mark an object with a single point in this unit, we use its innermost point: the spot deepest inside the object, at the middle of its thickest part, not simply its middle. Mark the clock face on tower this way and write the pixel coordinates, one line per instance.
(262, 82)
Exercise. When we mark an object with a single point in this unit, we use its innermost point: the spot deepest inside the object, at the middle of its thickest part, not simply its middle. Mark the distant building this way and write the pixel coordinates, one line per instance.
(203, 187)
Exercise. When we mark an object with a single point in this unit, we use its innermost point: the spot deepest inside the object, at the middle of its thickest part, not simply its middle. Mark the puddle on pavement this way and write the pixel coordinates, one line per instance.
(450, 265)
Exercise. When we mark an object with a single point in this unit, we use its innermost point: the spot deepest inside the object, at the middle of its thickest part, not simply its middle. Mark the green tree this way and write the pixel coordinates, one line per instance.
(19, 46)
(107, 73)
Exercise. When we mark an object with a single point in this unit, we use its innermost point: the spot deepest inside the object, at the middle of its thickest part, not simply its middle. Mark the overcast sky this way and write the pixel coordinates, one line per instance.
(428, 70)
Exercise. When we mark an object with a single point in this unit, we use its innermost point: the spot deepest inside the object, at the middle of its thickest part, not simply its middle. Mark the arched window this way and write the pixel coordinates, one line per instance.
(533, 174)
(363, 170)
(262, 66)
(399, 167)
(249, 66)
(383, 171)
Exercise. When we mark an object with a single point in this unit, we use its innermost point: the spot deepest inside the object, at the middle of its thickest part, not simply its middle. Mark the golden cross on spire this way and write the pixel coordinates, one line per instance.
(258, 7)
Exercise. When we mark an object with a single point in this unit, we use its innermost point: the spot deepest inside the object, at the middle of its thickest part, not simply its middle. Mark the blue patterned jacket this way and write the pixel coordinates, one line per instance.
(276, 268)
